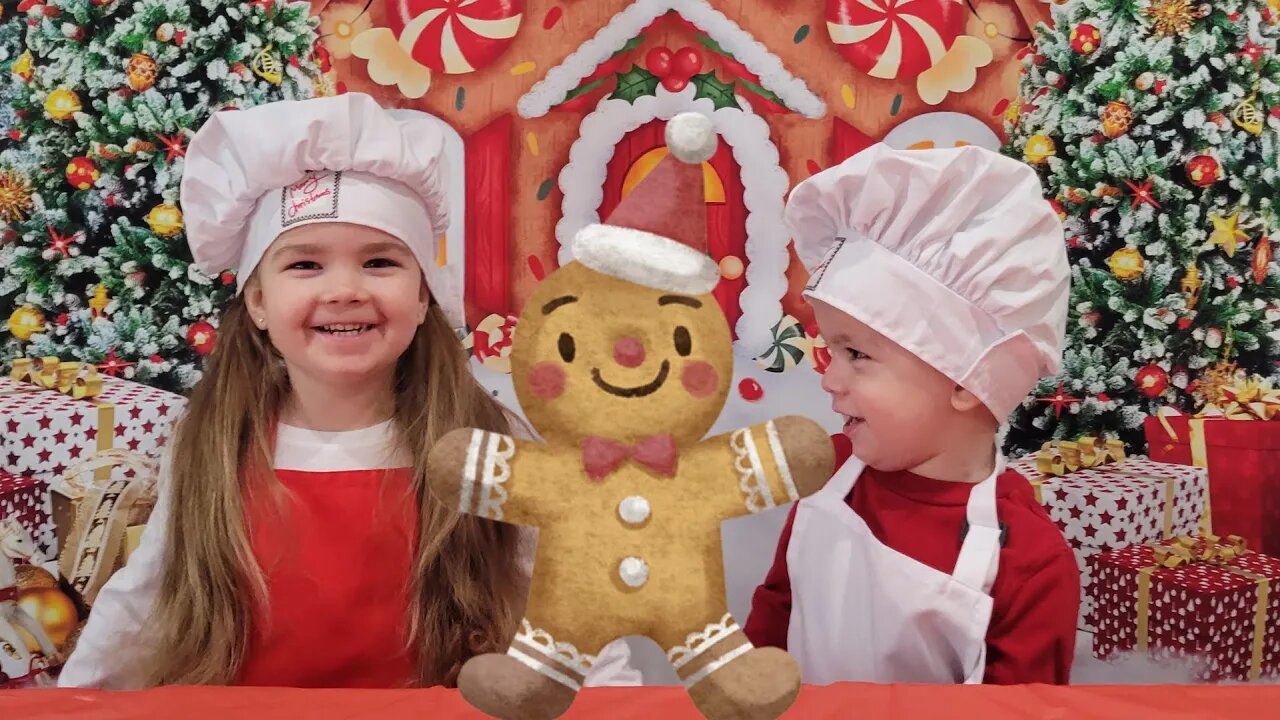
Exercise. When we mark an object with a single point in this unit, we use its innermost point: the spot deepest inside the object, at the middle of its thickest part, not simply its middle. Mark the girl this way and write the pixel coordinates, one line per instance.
(294, 542)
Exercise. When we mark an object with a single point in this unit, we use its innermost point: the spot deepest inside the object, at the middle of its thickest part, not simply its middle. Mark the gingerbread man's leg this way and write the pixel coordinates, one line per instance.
(729, 678)
(537, 679)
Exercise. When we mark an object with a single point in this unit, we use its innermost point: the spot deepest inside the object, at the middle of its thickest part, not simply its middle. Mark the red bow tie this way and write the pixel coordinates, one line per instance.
(601, 456)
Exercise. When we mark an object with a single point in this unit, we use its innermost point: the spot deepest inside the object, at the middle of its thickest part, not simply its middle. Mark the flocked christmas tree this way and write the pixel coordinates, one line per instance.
(1155, 126)
(99, 269)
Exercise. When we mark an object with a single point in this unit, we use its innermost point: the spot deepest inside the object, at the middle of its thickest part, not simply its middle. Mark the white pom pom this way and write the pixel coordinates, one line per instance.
(691, 137)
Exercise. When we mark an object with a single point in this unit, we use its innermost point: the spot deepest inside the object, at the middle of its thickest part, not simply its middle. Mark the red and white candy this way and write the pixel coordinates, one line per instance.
(894, 39)
(455, 36)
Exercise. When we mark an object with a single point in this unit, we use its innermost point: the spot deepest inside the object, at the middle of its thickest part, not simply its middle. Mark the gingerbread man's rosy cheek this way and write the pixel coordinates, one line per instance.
(699, 378)
(546, 380)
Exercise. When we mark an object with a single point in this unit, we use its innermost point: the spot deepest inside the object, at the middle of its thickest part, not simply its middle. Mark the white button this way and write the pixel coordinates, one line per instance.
(634, 572)
(633, 510)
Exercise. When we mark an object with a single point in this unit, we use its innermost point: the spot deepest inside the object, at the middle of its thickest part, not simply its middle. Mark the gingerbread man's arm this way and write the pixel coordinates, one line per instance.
(774, 463)
(478, 472)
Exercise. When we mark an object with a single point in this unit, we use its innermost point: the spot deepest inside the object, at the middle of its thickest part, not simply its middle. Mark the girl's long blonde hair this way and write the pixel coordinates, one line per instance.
(467, 588)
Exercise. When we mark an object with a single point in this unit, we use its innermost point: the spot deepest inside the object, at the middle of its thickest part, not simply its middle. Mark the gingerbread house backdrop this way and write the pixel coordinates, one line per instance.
(557, 108)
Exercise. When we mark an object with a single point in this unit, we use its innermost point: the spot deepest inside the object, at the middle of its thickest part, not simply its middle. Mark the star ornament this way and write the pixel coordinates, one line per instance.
(1171, 17)
(1227, 233)
(1142, 194)
(1059, 400)
(1253, 51)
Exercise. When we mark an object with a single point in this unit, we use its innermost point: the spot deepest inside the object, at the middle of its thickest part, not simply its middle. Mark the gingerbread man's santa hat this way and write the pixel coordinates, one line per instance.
(657, 235)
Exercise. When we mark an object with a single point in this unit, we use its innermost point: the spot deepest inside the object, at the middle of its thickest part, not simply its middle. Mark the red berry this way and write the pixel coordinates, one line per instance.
(674, 83)
(658, 61)
(688, 62)
(1103, 397)
(1184, 323)
(750, 390)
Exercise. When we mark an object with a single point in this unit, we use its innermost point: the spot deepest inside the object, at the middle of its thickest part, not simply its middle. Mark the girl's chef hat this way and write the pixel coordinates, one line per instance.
(252, 174)
(953, 254)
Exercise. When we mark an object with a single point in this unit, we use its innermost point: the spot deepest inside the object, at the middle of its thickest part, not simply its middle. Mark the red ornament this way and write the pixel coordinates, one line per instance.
(1261, 260)
(112, 365)
(1233, 282)
(1184, 323)
(1103, 397)
(750, 390)
(1058, 208)
(1204, 170)
(82, 173)
(1085, 39)
(227, 277)
(455, 36)
(202, 336)
(894, 40)
(658, 61)
(1253, 52)
(1152, 380)
(1059, 400)
(60, 243)
(62, 319)
(174, 147)
(323, 60)
(1142, 194)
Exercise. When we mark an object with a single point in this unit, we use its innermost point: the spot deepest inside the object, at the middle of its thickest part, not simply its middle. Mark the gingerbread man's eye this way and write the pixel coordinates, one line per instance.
(567, 347)
(683, 343)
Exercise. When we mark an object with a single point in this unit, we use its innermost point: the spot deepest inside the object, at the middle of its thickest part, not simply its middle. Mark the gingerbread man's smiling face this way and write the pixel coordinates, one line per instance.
(595, 355)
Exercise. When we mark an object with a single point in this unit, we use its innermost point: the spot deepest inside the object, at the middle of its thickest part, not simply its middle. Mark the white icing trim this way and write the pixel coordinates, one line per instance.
(560, 652)
(780, 460)
(751, 478)
(646, 259)
(716, 664)
(497, 471)
(699, 642)
(465, 505)
(543, 669)
(774, 77)
(765, 185)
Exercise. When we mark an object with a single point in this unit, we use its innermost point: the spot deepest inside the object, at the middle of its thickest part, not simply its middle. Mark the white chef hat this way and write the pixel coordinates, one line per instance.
(252, 174)
(953, 254)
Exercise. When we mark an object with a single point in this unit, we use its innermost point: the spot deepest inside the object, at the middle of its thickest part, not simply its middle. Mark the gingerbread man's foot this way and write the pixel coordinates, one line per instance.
(503, 687)
(729, 679)
(760, 684)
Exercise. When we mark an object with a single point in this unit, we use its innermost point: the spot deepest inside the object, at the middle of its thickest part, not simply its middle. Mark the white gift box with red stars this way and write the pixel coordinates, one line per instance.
(45, 433)
(1135, 502)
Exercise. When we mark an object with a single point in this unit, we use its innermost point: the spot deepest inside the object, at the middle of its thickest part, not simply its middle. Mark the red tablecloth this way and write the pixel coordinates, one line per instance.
(847, 701)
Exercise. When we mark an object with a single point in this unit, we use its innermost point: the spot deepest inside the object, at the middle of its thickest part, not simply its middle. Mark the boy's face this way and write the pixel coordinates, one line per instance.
(894, 404)
(341, 302)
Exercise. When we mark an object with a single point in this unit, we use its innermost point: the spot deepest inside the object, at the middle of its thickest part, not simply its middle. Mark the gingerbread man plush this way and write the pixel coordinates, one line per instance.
(622, 361)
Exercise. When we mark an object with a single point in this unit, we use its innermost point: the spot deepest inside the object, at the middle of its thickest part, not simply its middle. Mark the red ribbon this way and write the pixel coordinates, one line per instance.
(601, 456)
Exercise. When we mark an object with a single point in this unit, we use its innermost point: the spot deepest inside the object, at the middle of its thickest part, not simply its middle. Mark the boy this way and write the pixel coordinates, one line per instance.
(939, 280)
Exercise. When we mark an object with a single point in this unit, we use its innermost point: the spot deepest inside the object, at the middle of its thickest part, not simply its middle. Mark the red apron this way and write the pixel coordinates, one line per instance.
(337, 557)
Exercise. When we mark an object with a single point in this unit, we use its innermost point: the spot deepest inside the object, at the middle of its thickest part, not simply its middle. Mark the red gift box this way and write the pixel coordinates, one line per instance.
(1168, 599)
(27, 499)
(1243, 459)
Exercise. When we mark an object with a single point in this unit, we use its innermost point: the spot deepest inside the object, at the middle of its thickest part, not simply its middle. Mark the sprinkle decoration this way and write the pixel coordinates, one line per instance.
(846, 94)
(524, 68)
(801, 34)
(460, 99)
(545, 188)
(532, 141)
(552, 17)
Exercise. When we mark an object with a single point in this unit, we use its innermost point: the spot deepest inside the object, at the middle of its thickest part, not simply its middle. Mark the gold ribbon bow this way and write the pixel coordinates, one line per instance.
(1250, 398)
(1062, 457)
(77, 379)
(1186, 550)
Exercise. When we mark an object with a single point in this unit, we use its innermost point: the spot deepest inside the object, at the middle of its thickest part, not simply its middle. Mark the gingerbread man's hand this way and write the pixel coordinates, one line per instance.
(474, 471)
(809, 454)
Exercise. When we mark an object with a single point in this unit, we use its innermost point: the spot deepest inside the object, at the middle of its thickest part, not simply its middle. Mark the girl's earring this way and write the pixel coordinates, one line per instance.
(262, 323)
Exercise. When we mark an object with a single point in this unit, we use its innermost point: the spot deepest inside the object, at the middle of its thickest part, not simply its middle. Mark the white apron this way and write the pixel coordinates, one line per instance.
(864, 612)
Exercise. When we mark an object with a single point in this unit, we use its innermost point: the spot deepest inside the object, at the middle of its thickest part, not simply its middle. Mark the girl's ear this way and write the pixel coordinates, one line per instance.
(424, 302)
(254, 303)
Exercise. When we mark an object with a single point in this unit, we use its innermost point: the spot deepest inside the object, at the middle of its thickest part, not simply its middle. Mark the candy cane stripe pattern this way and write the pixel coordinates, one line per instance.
(894, 39)
(455, 36)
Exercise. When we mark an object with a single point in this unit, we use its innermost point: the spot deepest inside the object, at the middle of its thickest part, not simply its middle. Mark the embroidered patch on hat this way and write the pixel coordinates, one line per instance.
(311, 198)
(819, 271)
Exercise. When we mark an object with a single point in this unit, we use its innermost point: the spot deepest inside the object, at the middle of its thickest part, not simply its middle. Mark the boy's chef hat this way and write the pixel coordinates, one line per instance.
(953, 254)
(253, 174)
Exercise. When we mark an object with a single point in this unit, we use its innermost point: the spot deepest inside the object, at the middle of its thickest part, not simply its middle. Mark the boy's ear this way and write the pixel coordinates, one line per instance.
(963, 400)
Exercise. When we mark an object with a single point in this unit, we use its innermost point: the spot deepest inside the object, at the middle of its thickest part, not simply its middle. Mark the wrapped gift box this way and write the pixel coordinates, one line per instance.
(27, 499)
(1192, 598)
(48, 430)
(1132, 502)
(1243, 462)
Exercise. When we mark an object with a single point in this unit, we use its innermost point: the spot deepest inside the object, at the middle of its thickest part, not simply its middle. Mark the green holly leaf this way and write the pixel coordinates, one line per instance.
(632, 44)
(762, 92)
(583, 89)
(634, 84)
(708, 86)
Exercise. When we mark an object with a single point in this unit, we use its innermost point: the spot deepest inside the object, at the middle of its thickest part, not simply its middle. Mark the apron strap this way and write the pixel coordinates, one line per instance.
(979, 558)
(841, 484)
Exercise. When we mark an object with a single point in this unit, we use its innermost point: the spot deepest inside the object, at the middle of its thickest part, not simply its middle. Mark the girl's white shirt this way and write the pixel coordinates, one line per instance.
(115, 639)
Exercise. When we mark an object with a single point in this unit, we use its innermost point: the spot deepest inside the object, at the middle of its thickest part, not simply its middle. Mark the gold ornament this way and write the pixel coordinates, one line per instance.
(61, 104)
(266, 66)
(141, 70)
(1227, 233)
(1209, 385)
(731, 267)
(1013, 111)
(1039, 148)
(1191, 285)
(23, 66)
(1171, 17)
(15, 196)
(25, 322)
(98, 303)
(165, 220)
(1116, 119)
(1126, 264)
(1247, 115)
(55, 612)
